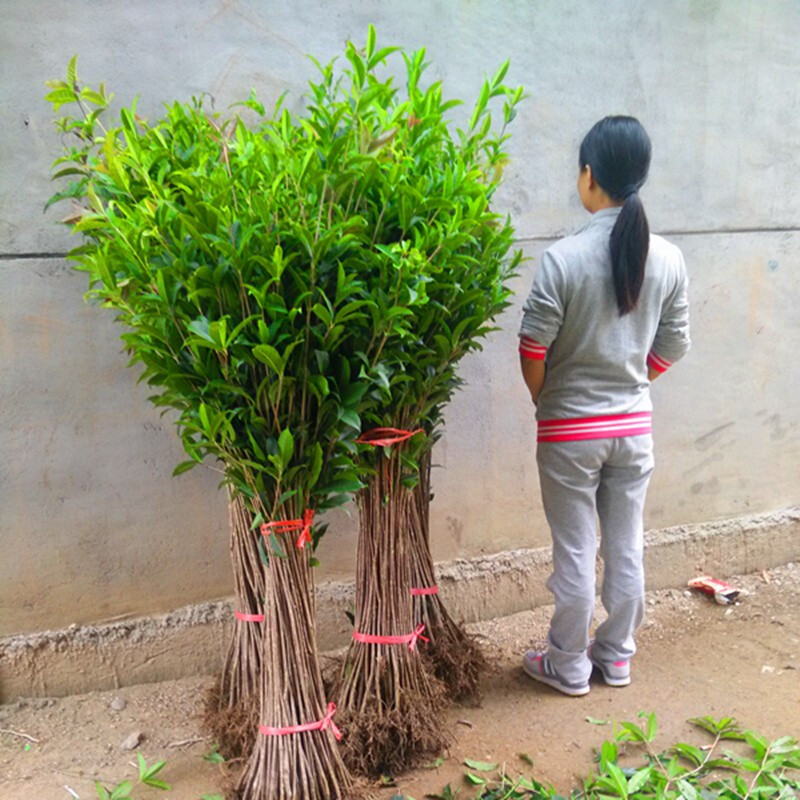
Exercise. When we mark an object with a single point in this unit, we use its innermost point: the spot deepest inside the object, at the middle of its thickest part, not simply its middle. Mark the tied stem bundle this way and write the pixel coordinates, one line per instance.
(390, 705)
(296, 766)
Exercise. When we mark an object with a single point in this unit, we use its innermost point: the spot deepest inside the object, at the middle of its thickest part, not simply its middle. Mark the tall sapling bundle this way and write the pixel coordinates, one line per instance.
(439, 263)
(236, 282)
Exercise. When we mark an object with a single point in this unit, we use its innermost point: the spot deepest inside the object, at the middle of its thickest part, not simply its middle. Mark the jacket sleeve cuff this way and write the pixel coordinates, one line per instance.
(530, 348)
(657, 363)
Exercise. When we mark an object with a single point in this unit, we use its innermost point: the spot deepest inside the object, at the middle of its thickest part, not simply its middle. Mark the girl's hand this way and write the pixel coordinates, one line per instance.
(533, 375)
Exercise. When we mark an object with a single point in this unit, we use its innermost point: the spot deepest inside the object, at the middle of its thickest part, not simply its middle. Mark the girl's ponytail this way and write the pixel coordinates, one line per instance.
(630, 241)
(618, 151)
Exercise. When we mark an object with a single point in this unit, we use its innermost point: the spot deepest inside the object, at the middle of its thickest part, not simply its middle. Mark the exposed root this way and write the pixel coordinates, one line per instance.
(231, 727)
(454, 656)
(386, 741)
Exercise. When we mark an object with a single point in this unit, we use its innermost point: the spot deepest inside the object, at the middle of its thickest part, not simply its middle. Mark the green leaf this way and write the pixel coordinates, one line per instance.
(618, 779)
(370, 42)
(60, 97)
(72, 71)
(258, 519)
(262, 553)
(121, 791)
(652, 725)
(184, 466)
(480, 766)
(595, 721)
(286, 446)
(269, 355)
(475, 780)
(275, 547)
(315, 465)
(350, 418)
(608, 755)
(639, 779)
(631, 732)
(214, 757)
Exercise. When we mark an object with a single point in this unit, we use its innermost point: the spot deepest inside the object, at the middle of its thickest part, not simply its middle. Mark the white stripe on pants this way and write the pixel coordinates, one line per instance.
(580, 481)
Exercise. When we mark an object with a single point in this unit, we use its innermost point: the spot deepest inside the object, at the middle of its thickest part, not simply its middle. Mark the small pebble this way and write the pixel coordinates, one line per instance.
(118, 703)
(132, 742)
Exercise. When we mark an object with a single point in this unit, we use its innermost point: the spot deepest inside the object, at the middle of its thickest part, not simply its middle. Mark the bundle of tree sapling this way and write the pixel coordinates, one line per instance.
(234, 267)
(438, 263)
(111, 182)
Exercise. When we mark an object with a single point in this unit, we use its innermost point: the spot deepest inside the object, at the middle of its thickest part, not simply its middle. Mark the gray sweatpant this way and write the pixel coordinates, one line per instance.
(580, 481)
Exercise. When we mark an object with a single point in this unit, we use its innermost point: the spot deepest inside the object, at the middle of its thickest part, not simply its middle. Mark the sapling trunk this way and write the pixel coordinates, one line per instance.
(231, 714)
(297, 766)
(453, 655)
(390, 703)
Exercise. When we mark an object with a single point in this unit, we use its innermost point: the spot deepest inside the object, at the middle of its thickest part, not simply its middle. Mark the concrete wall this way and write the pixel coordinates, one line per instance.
(92, 527)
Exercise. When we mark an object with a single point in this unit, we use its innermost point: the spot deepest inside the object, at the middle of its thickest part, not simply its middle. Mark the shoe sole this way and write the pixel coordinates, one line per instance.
(578, 691)
(615, 682)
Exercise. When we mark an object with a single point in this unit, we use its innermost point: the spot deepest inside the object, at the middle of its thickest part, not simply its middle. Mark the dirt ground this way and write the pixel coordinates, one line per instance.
(695, 658)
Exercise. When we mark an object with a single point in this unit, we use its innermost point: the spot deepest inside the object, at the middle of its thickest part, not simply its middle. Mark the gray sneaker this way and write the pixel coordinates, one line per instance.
(615, 673)
(537, 665)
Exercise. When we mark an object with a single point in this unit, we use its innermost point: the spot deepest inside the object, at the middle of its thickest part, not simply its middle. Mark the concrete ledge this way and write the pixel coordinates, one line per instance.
(192, 640)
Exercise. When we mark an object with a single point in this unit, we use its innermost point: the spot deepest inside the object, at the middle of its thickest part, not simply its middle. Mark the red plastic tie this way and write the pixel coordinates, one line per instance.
(248, 617)
(320, 725)
(385, 437)
(287, 526)
(425, 590)
(407, 638)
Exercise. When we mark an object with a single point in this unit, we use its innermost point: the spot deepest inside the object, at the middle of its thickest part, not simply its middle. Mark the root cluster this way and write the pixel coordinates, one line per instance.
(453, 655)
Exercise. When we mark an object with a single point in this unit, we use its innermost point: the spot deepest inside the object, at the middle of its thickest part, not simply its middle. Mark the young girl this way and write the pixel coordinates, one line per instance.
(607, 314)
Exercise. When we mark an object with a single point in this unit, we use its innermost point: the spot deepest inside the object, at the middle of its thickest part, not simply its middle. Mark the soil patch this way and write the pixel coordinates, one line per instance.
(695, 658)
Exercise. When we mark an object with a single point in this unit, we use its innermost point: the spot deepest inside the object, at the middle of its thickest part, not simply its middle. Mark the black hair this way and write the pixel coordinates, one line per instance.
(618, 151)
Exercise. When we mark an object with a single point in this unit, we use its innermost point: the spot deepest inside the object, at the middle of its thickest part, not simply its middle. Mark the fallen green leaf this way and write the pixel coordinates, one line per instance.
(481, 766)
(214, 757)
(595, 721)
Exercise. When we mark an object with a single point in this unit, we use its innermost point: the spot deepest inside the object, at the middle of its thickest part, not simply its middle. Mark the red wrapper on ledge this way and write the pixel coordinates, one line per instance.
(722, 592)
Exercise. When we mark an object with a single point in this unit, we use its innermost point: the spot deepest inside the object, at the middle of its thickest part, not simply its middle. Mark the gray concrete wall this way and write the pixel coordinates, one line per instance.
(91, 524)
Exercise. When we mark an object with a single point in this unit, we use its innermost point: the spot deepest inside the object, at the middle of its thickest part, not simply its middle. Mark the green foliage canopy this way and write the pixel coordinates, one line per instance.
(285, 280)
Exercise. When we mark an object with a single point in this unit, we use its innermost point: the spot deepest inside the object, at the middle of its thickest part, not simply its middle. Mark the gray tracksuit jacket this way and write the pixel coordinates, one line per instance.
(597, 384)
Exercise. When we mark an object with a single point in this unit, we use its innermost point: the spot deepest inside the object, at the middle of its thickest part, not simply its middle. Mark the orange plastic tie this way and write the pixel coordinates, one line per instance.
(385, 437)
(288, 526)
(407, 638)
(242, 617)
(319, 725)
(423, 590)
